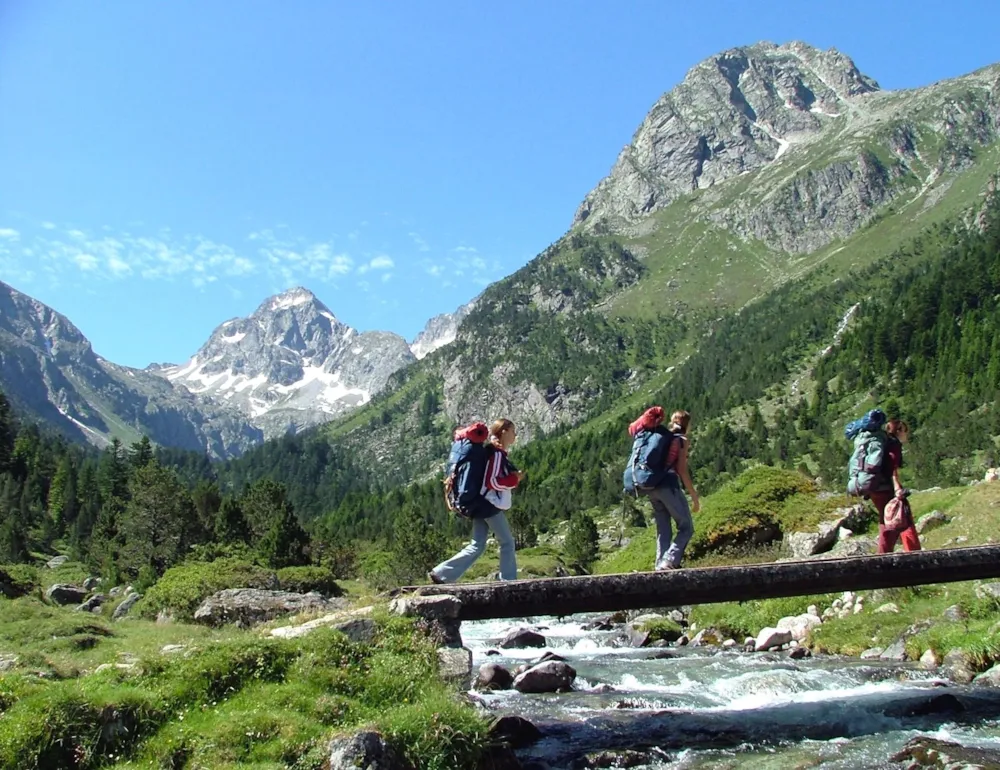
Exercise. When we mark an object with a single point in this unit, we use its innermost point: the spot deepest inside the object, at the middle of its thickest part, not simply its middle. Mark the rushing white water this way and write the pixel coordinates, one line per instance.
(707, 708)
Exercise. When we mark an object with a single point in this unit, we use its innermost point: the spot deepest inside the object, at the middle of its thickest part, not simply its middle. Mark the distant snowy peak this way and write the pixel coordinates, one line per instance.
(441, 330)
(291, 363)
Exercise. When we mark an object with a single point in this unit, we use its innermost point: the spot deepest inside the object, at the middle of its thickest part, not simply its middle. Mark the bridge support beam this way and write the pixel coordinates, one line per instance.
(707, 585)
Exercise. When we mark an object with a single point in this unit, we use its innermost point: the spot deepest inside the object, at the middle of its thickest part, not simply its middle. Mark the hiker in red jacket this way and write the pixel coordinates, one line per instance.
(898, 433)
(500, 479)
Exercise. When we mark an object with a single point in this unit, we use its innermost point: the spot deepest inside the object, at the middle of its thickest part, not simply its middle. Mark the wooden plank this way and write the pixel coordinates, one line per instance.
(706, 585)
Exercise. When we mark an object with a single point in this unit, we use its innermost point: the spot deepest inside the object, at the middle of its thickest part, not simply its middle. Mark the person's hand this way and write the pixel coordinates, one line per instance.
(695, 503)
(520, 475)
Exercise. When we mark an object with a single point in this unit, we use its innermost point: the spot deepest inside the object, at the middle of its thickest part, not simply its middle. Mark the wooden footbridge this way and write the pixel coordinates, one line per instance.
(707, 585)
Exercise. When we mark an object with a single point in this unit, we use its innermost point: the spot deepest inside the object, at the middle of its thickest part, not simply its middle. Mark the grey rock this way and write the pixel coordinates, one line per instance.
(955, 614)
(455, 665)
(8, 662)
(706, 637)
(936, 754)
(91, 583)
(988, 591)
(493, 676)
(358, 630)
(771, 638)
(990, 677)
(445, 607)
(61, 593)
(888, 607)
(619, 758)
(798, 653)
(930, 660)
(931, 521)
(56, 561)
(958, 666)
(93, 603)
(514, 731)
(126, 606)
(551, 676)
(365, 750)
(172, 649)
(871, 653)
(250, 606)
(895, 651)
(520, 638)
(803, 544)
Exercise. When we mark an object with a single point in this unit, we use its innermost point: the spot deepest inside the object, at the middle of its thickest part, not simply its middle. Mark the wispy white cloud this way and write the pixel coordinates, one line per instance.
(9, 234)
(419, 242)
(48, 225)
(381, 262)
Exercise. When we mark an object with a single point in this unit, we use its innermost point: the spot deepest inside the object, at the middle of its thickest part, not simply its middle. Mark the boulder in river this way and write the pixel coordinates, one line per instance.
(551, 676)
(493, 676)
(521, 638)
(924, 751)
(514, 731)
(771, 638)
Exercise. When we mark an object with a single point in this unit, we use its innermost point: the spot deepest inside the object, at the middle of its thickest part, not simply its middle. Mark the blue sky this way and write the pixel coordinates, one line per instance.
(168, 165)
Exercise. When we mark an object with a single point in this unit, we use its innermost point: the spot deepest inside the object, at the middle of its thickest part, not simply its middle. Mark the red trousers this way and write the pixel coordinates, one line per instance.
(887, 537)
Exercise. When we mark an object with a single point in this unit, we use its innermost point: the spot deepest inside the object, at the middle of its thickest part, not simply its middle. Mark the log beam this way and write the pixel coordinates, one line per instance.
(707, 585)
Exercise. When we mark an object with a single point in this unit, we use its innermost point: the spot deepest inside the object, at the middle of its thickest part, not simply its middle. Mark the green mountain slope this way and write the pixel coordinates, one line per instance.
(762, 198)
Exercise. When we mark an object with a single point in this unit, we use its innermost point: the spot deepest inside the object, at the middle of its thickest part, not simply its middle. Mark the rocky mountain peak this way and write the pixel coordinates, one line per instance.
(733, 113)
(291, 363)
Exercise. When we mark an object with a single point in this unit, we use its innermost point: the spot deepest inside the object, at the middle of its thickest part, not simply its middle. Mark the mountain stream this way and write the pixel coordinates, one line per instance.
(684, 707)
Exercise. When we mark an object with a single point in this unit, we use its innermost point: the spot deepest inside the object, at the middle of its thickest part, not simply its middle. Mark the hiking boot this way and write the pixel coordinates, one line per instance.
(435, 578)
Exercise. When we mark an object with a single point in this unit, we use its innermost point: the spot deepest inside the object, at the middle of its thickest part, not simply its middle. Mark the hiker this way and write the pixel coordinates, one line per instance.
(500, 478)
(657, 467)
(897, 433)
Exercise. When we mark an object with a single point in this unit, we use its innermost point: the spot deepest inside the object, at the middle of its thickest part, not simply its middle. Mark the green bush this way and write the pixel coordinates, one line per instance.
(17, 580)
(184, 587)
(302, 580)
(747, 510)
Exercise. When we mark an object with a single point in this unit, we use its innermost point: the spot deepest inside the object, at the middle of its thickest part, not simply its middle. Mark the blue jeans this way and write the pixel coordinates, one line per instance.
(452, 569)
(670, 505)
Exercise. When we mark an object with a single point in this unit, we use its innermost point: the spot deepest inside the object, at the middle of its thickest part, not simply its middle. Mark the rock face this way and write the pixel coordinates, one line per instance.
(441, 330)
(752, 108)
(733, 113)
(250, 606)
(291, 364)
(50, 371)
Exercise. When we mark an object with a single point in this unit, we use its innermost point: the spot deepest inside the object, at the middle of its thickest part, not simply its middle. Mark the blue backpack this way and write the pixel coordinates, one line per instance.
(466, 473)
(871, 423)
(647, 463)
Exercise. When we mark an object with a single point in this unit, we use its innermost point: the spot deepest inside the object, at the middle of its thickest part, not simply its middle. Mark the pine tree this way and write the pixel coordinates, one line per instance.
(230, 524)
(582, 539)
(141, 453)
(157, 522)
(285, 542)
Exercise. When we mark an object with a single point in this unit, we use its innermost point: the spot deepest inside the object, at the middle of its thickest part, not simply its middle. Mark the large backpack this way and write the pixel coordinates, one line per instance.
(864, 471)
(466, 473)
(647, 463)
(871, 421)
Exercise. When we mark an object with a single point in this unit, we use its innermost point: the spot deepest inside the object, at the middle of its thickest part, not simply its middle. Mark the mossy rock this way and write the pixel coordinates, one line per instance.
(748, 510)
(17, 580)
(184, 587)
(662, 629)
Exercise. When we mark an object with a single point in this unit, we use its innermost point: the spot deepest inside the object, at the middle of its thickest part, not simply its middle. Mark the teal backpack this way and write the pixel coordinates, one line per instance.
(864, 472)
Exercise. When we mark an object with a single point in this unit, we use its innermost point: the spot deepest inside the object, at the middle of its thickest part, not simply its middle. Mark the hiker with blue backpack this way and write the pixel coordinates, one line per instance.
(873, 473)
(657, 465)
(478, 486)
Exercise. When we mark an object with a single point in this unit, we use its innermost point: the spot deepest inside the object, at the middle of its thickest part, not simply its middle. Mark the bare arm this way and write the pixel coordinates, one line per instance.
(682, 471)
